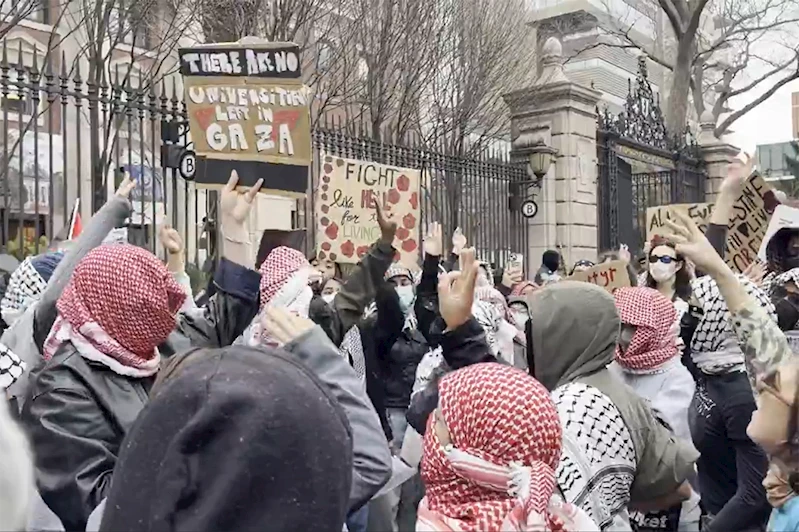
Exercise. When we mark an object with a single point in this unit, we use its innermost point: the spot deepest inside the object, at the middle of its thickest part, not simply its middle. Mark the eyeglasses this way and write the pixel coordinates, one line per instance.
(665, 259)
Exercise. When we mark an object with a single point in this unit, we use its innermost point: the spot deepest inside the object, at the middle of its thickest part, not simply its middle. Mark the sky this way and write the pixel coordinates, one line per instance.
(768, 123)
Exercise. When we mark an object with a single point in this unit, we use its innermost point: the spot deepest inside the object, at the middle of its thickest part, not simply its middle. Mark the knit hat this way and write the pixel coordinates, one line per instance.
(46, 263)
(398, 270)
(238, 439)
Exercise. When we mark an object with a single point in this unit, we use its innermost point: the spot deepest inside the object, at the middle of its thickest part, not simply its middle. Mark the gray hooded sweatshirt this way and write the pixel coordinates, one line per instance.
(575, 329)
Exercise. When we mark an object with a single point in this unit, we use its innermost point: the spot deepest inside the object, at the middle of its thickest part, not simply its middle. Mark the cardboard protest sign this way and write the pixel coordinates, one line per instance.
(749, 222)
(610, 275)
(656, 217)
(248, 111)
(346, 218)
(784, 216)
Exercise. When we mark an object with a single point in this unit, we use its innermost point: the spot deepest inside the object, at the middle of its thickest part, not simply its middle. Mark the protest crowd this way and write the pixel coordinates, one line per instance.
(448, 397)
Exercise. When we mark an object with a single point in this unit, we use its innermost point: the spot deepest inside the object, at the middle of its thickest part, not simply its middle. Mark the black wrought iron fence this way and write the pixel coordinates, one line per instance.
(68, 135)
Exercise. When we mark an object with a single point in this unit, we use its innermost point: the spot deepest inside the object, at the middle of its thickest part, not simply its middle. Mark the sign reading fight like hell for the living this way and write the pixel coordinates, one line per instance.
(610, 275)
(345, 213)
(748, 222)
(248, 111)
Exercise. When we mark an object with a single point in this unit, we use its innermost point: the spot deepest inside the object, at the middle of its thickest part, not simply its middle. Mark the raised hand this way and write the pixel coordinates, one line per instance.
(737, 174)
(511, 276)
(624, 253)
(236, 205)
(284, 326)
(693, 245)
(126, 186)
(388, 227)
(433, 241)
(458, 241)
(171, 240)
(756, 272)
(456, 291)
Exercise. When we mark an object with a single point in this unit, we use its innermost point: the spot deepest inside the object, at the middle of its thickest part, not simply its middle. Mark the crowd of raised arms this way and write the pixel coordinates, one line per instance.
(431, 397)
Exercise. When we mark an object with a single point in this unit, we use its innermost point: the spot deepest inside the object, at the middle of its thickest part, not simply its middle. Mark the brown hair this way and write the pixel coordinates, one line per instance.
(682, 279)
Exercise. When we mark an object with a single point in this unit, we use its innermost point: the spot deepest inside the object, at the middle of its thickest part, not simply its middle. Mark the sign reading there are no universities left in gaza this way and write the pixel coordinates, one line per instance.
(248, 111)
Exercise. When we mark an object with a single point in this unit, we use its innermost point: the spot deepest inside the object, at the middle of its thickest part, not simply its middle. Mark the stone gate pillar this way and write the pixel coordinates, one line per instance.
(563, 115)
(717, 155)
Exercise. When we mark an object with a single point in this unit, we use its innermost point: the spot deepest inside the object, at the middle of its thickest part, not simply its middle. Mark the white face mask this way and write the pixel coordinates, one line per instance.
(662, 272)
(328, 298)
(406, 296)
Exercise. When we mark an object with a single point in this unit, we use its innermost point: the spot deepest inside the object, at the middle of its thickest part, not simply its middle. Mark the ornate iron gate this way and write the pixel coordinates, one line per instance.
(640, 166)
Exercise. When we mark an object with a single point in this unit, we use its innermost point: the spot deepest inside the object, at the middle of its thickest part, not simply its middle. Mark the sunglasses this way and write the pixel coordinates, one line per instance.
(665, 259)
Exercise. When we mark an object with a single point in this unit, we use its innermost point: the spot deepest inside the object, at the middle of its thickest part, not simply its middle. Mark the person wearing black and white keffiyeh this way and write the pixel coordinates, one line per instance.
(782, 282)
(731, 466)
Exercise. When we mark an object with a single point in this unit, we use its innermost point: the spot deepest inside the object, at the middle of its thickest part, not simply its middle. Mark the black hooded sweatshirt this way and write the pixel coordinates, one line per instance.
(242, 439)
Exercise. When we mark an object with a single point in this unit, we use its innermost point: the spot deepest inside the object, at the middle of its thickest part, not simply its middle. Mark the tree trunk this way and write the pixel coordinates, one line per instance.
(677, 112)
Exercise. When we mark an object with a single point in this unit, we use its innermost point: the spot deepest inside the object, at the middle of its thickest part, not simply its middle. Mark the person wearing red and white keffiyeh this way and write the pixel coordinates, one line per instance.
(648, 360)
(118, 324)
(101, 355)
(285, 275)
(490, 453)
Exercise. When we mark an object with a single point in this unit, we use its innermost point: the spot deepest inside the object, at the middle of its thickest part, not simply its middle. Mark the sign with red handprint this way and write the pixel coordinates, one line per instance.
(345, 214)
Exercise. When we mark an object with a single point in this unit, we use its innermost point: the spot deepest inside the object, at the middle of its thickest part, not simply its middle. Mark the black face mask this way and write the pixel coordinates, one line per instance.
(790, 262)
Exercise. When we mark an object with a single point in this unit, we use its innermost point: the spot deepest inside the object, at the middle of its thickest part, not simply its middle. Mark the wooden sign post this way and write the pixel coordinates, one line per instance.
(248, 111)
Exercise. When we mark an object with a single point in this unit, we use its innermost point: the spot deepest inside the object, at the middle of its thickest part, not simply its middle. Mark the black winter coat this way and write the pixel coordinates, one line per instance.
(347, 308)
(462, 347)
(78, 411)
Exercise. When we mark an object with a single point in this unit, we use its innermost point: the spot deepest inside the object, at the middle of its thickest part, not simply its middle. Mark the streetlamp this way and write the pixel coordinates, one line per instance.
(540, 157)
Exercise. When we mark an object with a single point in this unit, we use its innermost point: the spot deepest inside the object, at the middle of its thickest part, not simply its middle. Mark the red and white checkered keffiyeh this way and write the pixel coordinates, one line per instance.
(278, 268)
(119, 305)
(498, 473)
(285, 276)
(654, 341)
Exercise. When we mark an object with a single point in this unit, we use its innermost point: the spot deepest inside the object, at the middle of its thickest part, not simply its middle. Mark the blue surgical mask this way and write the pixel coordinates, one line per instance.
(406, 296)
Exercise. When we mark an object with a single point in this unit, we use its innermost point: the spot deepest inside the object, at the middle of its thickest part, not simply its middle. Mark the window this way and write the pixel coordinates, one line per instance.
(34, 10)
(325, 56)
(128, 25)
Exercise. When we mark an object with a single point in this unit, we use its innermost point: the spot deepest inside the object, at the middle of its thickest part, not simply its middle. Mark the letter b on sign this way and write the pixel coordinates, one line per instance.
(529, 209)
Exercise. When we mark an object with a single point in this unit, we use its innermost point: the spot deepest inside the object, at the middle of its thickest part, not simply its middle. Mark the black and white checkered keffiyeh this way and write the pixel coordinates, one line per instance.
(774, 281)
(713, 346)
(352, 348)
(25, 286)
(11, 367)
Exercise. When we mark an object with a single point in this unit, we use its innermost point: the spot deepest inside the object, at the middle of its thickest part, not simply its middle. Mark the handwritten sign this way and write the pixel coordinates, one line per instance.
(656, 217)
(248, 111)
(346, 218)
(610, 275)
(783, 217)
(748, 223)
